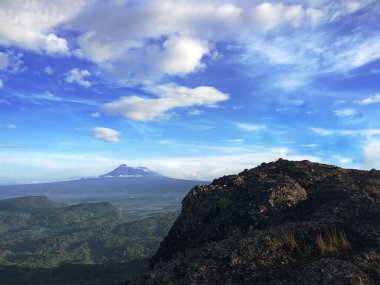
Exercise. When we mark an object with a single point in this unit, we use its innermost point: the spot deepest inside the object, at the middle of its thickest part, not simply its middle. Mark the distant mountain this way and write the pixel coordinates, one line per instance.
(133, 188)
(126, 171)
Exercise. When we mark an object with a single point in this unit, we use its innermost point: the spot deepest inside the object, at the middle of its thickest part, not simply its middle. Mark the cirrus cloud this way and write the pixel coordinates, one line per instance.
(250, 127)
(347, 112)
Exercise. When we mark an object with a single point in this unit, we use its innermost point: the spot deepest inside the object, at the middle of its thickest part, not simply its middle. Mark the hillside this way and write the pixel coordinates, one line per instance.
(43, 239)
(28, 204)
(280, 223)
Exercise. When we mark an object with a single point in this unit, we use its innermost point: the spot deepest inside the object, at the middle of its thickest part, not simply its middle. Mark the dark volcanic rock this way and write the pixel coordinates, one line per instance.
(280, 223)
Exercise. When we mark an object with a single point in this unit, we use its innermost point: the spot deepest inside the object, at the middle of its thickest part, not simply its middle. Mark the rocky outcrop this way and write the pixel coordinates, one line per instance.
(280, 223)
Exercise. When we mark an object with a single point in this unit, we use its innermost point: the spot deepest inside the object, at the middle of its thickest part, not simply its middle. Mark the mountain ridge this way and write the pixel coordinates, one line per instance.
(29, 204)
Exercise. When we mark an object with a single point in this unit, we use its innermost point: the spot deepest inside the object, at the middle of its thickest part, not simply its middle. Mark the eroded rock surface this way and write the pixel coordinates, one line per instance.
(280, 223)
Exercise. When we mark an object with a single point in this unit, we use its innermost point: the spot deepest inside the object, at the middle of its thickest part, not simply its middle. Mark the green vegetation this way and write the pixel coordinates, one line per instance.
(39, 237)
(225, 202)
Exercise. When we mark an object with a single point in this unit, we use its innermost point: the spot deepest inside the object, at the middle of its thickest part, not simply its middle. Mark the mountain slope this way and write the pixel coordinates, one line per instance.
(279, 223)
(28, 204)
(85, 233)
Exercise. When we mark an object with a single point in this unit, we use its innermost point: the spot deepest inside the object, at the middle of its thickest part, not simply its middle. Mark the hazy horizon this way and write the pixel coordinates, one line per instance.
(191, 89)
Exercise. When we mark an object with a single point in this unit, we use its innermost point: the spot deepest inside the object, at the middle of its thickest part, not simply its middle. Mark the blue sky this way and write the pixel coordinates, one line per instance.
(192, 89)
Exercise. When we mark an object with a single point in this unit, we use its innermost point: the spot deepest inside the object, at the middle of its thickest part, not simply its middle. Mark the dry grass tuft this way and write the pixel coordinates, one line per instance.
(291, 242)
(332, 242)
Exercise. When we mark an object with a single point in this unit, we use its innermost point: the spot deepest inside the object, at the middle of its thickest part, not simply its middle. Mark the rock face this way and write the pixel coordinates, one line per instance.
(280, 223)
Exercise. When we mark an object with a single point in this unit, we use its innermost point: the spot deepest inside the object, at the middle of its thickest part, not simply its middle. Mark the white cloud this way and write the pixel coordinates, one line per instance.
(152, 40)
(370, 100)
(347, 112)
(1, 84)
(327, 132)
(353, 6)
(314, 15)
(250, 127)
(372, 153)
(144, 40)
(343, 160)
(10, 126)
(170, 96)
(308, 145)
(11, 62)
(48, 70)
(352, 52)
(183, 55)
(3, 60)
(30, 25)
(211, 167)
(229, 12)
(78, 76)
(50, 166)
(106, 134)
(195, 112)
(96, 115)
(271, 16)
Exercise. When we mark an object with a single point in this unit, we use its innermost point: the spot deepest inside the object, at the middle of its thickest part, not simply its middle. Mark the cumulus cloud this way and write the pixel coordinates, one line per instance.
(30, 25)
(347, 112)
(78, 76)
(370, 100)
(106, 134)
(250, 127)
(183, 55)
(153, 41)
(145, 39)
(170, 96)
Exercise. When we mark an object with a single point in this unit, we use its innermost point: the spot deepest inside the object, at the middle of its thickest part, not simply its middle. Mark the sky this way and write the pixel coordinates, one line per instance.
(192, 89)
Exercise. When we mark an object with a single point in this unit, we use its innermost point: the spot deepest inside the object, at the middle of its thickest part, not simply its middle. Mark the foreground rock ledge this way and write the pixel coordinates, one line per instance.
(283, 222)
